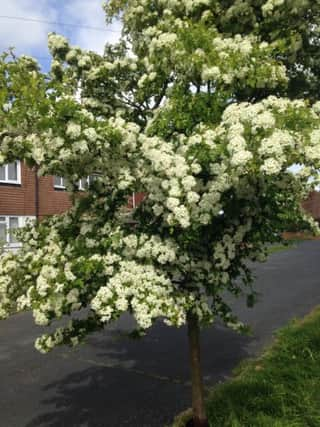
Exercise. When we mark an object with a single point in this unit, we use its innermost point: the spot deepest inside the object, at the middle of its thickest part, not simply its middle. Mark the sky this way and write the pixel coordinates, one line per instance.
(30, 38)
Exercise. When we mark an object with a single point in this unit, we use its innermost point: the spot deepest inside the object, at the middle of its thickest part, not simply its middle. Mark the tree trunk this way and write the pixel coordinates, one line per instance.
(199, 415)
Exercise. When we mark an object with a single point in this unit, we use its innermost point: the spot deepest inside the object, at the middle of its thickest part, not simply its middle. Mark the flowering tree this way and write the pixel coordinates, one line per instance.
(199, 114)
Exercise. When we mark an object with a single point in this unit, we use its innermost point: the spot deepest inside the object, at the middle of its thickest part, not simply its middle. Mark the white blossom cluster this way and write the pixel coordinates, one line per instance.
(216, 62)
(148, 295)
(241, 60)
(68, 334)
(249, 55)
(57, 42)
(163, 120)
(141, 273)
(269, 7)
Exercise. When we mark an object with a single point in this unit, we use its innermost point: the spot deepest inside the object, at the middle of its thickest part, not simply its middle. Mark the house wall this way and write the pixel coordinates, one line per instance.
(135, 200)
(20, 199)
(312, 205)
(51, 200)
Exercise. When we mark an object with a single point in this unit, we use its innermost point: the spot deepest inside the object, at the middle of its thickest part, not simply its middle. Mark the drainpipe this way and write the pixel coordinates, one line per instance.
(36, 198)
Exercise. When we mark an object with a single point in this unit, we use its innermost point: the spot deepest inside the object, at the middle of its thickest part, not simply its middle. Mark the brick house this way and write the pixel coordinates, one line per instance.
(25, 196)
(312, 205)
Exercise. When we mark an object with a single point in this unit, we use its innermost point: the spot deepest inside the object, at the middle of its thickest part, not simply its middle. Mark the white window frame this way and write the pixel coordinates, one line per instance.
(80, 187)
(7, 225)
(6, 180)
(60, 186)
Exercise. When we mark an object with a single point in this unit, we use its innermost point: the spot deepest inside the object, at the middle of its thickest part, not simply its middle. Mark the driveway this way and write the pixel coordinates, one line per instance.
(113, 381)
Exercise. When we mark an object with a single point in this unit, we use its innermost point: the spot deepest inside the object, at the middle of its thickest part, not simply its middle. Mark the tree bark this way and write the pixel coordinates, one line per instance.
(199, 415)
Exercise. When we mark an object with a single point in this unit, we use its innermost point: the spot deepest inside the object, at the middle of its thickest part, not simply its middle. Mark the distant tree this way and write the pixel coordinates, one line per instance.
(195, 107)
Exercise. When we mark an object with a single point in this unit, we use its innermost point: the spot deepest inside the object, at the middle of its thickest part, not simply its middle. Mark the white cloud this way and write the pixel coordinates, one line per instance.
(90, 13)
(31, 37)
(25, 36)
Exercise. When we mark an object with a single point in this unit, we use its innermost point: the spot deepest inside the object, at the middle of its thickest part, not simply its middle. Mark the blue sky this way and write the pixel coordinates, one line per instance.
(31, 37)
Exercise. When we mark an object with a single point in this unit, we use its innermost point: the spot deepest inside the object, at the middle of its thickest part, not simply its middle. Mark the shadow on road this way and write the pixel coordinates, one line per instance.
(146, 385)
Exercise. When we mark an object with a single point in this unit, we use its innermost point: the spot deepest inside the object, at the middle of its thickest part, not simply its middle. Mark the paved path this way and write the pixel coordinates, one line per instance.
(113, 381)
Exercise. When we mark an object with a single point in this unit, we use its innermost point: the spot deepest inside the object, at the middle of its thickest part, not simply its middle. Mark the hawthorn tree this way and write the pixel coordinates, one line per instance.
(203, 105)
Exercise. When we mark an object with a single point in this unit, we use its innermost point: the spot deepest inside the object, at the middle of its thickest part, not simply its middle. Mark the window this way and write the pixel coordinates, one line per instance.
(8, 225)
(11, 173)
(3, 230)
(83, 184)
(59, 182)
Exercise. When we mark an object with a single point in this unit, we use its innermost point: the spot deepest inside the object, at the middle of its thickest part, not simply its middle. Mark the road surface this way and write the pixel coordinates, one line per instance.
(114, 381)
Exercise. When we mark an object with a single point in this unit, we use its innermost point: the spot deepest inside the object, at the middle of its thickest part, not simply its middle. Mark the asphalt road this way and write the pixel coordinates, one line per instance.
(113, 381)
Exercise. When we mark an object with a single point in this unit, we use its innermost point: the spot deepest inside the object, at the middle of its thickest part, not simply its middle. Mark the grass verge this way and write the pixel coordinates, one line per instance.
(279, 389)
(285, 246)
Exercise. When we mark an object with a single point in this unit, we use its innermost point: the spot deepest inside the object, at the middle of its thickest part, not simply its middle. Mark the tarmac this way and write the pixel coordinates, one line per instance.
(115, 381)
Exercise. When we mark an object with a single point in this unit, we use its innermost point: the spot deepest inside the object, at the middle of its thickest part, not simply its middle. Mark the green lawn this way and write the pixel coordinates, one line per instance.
(280, 389)
(291, 244)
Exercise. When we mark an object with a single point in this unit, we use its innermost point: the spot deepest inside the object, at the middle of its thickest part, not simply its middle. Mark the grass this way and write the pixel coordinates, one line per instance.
(279, 389)
(285, 246)
(281, 247)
